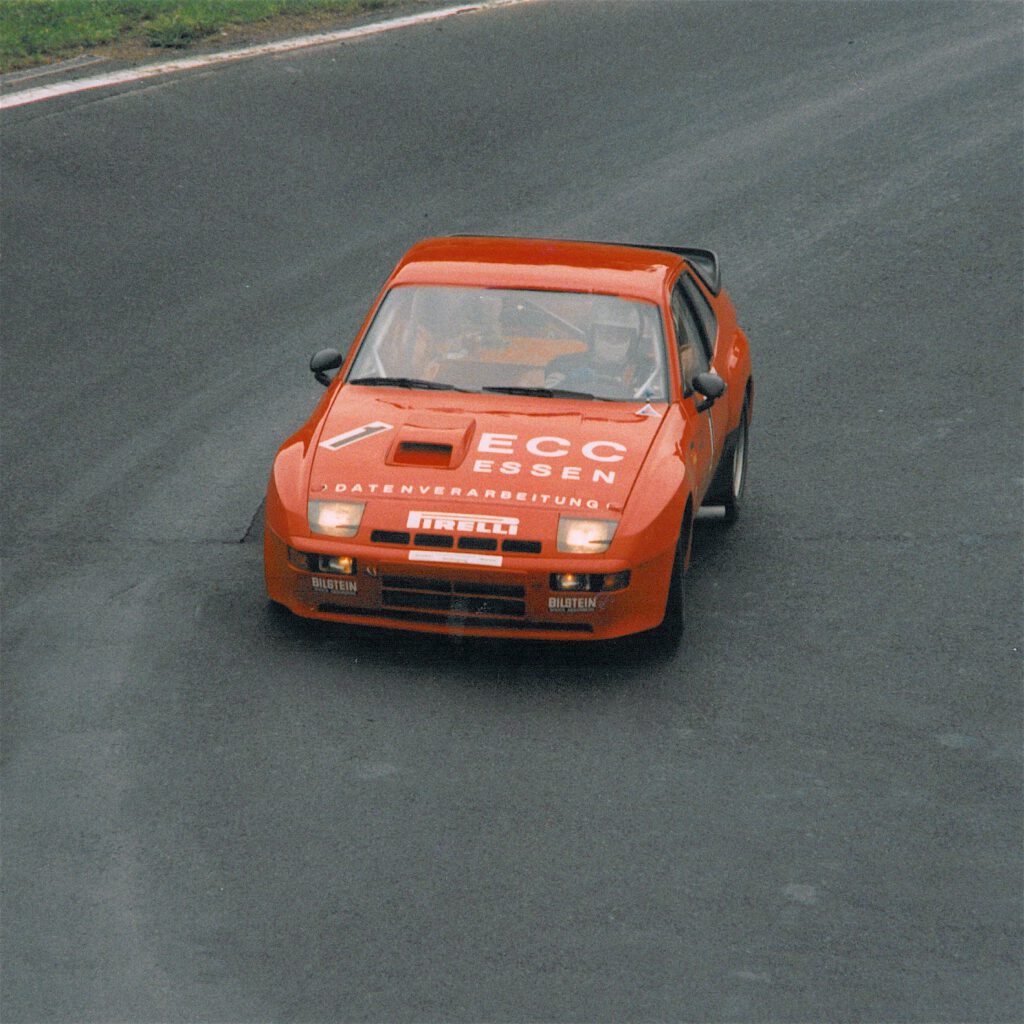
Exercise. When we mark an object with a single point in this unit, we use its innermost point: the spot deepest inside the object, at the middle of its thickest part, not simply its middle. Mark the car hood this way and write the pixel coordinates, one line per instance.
(481, 449)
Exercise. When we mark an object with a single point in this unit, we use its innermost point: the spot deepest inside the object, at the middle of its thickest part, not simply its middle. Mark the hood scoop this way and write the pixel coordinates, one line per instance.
(432, 440)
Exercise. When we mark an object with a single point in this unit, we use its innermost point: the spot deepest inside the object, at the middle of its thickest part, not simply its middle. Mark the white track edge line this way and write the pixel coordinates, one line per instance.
(138, 74)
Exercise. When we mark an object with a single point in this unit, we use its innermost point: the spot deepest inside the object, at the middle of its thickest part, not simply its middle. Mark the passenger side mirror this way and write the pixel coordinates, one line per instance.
(325, 359)
(711, 386)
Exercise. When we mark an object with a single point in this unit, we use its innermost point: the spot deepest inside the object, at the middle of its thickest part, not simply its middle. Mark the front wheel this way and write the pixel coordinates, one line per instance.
(669, 634)
(730, 481)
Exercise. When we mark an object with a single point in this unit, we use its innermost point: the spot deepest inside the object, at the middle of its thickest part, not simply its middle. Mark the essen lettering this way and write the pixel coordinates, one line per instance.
(548, 446)
(551, 447)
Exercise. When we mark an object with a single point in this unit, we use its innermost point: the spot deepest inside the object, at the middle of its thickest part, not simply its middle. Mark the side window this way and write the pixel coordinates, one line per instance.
(692, 357)
(705, 315)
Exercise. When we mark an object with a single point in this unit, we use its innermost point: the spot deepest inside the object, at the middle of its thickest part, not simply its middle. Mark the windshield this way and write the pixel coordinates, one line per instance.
(517, 342)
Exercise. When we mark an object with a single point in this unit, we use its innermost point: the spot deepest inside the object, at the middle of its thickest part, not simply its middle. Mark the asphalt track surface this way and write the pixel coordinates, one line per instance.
(811, 812)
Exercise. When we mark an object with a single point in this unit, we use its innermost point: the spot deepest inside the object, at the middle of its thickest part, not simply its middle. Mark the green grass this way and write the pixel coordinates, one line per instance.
(35, 31)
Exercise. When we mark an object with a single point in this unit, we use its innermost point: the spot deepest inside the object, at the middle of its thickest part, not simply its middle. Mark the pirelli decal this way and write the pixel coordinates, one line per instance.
(467, 522)
(351, 436)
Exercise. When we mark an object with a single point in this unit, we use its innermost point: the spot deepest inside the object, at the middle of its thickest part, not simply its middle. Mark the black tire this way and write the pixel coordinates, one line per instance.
(669, 634)
(730, 483)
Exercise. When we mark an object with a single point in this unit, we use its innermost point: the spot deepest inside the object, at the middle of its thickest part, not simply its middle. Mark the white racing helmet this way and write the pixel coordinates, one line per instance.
(614, 330)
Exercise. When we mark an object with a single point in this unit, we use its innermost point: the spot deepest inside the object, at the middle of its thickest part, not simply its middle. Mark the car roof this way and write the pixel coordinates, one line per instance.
(539, 263)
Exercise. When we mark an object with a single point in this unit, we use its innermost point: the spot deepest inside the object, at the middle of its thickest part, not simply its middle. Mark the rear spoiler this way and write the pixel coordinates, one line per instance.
(703, 261)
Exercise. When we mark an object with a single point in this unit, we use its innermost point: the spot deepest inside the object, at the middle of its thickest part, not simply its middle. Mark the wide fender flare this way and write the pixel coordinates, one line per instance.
(741, 372)
(285, 512)
(653, 517)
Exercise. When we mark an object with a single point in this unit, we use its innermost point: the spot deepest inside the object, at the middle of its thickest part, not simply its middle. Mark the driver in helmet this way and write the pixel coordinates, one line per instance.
(608, 368)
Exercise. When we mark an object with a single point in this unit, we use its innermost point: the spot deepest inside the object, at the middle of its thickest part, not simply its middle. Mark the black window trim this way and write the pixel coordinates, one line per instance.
(687, 388)
(709, 343)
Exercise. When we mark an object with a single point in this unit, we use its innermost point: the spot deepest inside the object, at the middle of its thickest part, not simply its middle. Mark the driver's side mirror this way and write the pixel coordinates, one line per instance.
(711, 386)
(325, 359)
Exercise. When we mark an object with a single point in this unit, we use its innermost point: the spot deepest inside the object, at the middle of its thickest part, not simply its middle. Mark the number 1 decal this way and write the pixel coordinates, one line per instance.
(351, 436)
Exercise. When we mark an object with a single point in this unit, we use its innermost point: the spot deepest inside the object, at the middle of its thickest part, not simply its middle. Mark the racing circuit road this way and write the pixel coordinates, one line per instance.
(811, 812)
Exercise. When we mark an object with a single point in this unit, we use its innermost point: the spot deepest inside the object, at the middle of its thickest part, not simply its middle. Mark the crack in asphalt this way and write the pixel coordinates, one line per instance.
(254, 533)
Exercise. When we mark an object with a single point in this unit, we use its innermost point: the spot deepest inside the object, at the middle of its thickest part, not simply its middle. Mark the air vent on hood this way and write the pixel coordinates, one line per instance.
(423, 453)
(432, 439)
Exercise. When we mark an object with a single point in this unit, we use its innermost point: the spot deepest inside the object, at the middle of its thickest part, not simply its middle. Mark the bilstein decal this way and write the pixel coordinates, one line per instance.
(572, 604)
(481, 493)
(351, 436)
(330, 585)
(455, 522)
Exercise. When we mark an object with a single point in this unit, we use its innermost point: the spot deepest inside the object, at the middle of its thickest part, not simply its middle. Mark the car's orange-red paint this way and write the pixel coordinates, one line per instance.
(513, 456)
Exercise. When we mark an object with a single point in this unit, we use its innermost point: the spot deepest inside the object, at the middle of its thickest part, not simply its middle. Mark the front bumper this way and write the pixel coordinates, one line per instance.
(423, 591)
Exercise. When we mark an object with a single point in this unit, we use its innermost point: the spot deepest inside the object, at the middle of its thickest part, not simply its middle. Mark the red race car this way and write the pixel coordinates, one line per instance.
(517, 444)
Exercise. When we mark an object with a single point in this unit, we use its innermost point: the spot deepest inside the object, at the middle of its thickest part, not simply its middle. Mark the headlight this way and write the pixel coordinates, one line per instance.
(336, 518)
(585, 536)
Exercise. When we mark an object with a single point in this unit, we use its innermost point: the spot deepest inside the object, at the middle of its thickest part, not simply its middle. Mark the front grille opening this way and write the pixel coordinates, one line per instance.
(453, 604)
(442, 586)
(433, 540)
(454, 621)
(496, 589)
(389, 537)
(417, 583)
(478, 544)
(524, 547)
(454, 598)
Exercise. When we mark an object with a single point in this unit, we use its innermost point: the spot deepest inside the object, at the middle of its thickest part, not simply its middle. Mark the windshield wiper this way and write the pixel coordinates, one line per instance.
(405, 382)
(539, 392)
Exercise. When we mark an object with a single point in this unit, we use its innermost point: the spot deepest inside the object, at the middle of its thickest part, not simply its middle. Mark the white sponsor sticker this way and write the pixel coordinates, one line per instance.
(572, 604)
(330, 585)
(357, 434)
(418, 491)
(463, 522)
(454, 556)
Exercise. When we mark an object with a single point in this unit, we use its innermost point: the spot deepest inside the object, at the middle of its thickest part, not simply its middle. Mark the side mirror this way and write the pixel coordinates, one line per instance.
(711, 386)
(325, 359)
